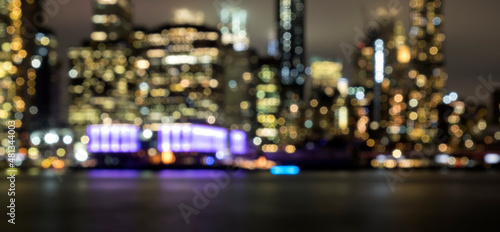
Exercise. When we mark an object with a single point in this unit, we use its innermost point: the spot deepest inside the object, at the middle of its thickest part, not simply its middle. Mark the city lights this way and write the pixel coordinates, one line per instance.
(51, 138)
(192, 138)
(81, 155)
(187, 87)
(233, 115)
(285, 170)
(113, 138)
(379, 61)
(67, 139)
(238, 142)
(492, 158)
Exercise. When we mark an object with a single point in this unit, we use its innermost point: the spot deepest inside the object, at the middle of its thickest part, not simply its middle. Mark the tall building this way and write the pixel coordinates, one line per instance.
(46, 63)
(291, 43)
(380, 86)
(292, 68)
(233, 28)
(182, 81)
(327, 114)
(112, 20)
(427, 73)
(268, 136)
(28, 60)
(103, 78)
(8, 68)
(239, 83)
(462, 127)
(238, 62)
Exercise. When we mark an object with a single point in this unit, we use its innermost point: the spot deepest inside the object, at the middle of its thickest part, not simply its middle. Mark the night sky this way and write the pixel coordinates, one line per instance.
(471, 29)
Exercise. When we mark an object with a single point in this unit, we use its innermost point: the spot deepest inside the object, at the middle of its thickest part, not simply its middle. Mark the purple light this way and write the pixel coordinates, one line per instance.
(113, 138)
(104, 139)
(191, 138)
(238, 139)
(113, 173)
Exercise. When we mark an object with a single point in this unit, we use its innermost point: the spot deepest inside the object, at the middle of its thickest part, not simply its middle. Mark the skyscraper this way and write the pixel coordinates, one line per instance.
(427, 73)
(45, 62)
(291, 43)
(112, 20)
(380, 76)
(183, 80)
(233, 28)
(292, 68)
(327, 114)
(268, 105)
(28, 61)
(238, 62)
(239, 84)
(102, 75)
(8, 69)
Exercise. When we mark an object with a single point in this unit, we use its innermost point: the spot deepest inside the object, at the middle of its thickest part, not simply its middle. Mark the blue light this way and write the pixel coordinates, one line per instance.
(436, 20)
(379, 61)
(442, 158)
(43, 51)
(360, 95)
(285, 170)
(209, 161)
(300, 80)
(492, 158)
(446, 99)
(144, 86)
(232, 84)
(39, 36)
(308, 71)
(308, 123)
(453, 96)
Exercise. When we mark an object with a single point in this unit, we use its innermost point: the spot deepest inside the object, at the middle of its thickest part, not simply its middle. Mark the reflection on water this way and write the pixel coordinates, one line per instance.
(113, 173)
(132, 200)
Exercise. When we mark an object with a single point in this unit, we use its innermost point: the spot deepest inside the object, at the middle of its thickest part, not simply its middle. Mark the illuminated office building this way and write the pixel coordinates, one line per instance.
(239, 82)
(325, 74)
(233, 28)
(292, 67)
(455, 126)
(268, 134)
(381, 86)
(8, 69)
(101, 86)
(427, 73)
(183, 80)
(45, 64)
(28, 65)
(463, 127)
(238, 62)
(327, 114)
(112, 20)
(102, 77)
(291, 43)
(389, 122)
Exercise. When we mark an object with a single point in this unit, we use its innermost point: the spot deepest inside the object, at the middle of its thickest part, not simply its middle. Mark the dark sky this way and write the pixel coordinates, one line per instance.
(471, 28)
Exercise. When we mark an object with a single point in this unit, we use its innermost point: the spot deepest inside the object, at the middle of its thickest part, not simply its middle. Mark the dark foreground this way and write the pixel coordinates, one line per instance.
(311, 201)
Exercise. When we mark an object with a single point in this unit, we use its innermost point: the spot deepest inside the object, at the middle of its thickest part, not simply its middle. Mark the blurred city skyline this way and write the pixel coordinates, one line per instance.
(468, 47)
(387, 112)
(307, 81)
